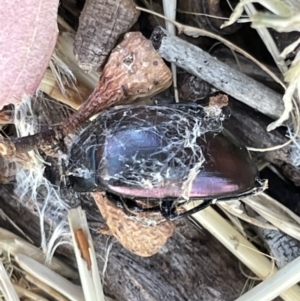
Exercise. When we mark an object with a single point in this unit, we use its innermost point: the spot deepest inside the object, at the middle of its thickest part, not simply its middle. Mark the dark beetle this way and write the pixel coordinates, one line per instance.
(164, 156)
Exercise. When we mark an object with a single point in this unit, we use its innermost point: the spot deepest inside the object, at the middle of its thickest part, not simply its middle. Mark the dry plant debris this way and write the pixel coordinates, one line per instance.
(101, 24)
(85, 256)
(201, 64)
(284, 18)
(220, 100)
(115, 223)
(196, 32)
(134, 69)
(84, 247)
(136, 236)
(23, 281)
(207, 14)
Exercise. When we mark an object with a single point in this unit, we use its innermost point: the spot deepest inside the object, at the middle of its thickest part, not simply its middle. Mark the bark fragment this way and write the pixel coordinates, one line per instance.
(101, 24)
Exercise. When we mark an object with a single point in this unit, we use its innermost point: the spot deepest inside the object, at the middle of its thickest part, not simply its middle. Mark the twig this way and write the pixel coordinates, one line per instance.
(201, 64)
(196, 32)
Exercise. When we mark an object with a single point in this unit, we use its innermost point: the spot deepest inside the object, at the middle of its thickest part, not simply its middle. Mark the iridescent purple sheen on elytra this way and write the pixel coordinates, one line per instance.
(228, 169)
(156, 152)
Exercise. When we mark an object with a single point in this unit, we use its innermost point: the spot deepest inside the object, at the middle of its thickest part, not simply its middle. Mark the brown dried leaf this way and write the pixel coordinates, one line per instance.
(139, 239)
(134, 69)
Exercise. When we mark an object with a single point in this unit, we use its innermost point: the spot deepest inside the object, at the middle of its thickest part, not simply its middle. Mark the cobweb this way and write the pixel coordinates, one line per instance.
(154, 147)
(295, 148)
(172, 131)
(34, 190)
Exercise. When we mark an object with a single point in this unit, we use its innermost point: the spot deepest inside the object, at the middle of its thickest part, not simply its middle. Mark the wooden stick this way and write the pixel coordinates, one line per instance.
(201, 64)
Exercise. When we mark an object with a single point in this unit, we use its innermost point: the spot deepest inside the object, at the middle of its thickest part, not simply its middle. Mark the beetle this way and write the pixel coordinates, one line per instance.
(157, 158)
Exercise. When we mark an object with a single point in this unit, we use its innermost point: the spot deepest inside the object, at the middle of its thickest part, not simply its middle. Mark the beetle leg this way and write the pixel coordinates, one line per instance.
(167, 209)
(128, 205)
(116, 200)
(131, 205)
(174, 215)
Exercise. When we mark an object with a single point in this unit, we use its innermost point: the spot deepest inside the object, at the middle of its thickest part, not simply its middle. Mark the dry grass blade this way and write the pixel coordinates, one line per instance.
(170, 12)
(85, 256)
(46, 288)
(28, 295)
(52, 279)
(278, 7)
(73, 95)
(200, 14)
(6, 286)
(275, 213)
(5, 234)
(233, 208)
(196, 32)
(64, 50)
(276, 284)
(62, 73)
(285, 18)
(65, 81)
(15, 246)
(83, 246)
(240, 247)
(268, 41)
